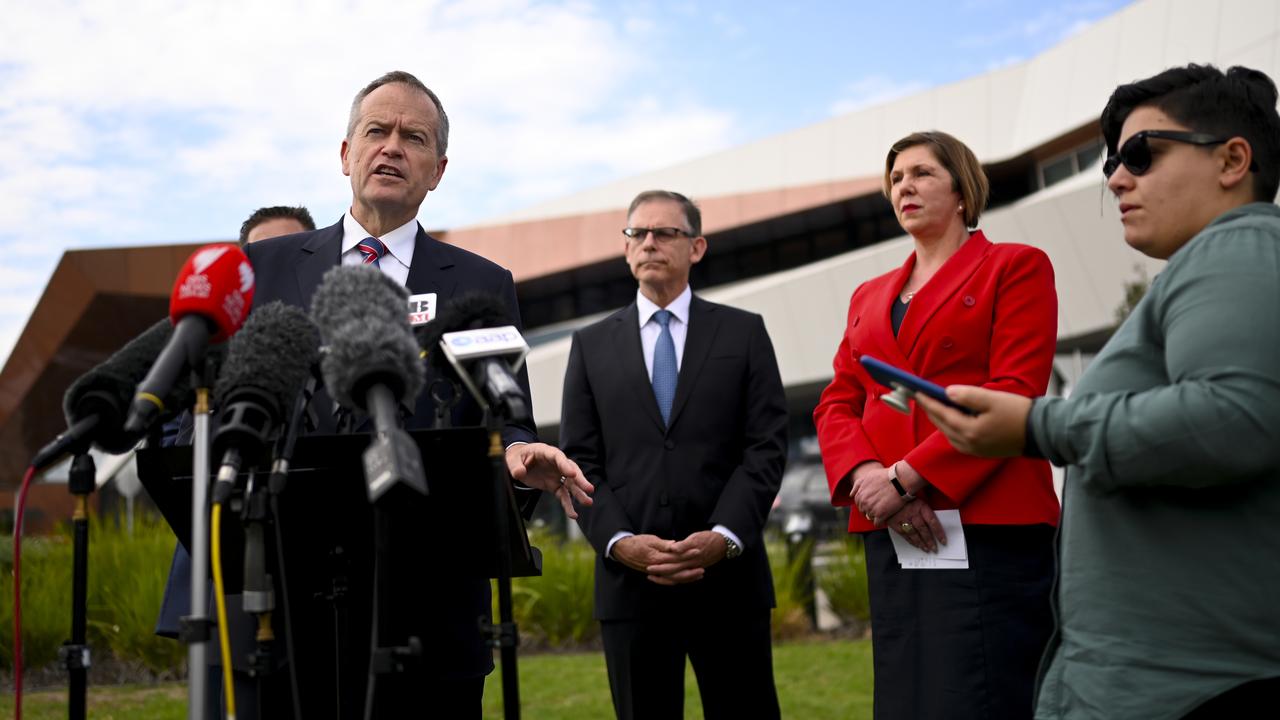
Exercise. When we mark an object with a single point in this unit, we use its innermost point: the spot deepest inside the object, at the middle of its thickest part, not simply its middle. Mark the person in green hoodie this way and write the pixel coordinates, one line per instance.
(1171, 507)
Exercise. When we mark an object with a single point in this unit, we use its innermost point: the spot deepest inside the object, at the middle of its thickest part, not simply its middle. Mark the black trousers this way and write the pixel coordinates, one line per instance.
(731, 657)
(959, 644)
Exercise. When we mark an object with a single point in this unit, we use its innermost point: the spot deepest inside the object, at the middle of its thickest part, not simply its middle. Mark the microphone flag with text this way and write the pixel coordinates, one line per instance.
(267, 363)
(210, 300)
(472, 338)
(372, 364)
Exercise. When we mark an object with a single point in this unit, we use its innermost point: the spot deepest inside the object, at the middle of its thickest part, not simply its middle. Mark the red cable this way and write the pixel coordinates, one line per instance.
(17, 592)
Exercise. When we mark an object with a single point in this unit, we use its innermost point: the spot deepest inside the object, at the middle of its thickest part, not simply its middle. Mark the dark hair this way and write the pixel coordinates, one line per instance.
(1238, 103)
(692, 214)
(261, 215)
(400, 76)
(967, 176)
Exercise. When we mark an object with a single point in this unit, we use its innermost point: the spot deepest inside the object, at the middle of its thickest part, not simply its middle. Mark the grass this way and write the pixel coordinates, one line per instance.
(134, 702)
(816, 680)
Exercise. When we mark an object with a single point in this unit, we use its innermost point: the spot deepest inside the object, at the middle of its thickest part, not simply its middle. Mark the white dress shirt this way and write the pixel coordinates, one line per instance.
(400, 243)
(650, 329)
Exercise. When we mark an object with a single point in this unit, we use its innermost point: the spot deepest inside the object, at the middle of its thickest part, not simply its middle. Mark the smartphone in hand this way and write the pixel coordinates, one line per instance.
(905, 385)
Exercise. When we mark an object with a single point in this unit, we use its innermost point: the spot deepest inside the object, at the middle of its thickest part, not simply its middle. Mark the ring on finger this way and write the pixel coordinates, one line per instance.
(907, 527)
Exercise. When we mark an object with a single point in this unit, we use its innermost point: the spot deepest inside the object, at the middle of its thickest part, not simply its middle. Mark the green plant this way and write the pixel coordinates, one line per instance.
(792, 588)
(126, 586)
(126, 576)
(1134, 291)
(843, 579)
(555, 610)
(46, 601)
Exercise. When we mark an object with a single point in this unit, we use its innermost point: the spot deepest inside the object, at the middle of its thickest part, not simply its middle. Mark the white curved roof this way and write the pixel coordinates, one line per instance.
(1001, 114)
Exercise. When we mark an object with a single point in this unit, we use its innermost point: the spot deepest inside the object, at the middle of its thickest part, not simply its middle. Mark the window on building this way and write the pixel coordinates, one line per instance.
(1060, 167)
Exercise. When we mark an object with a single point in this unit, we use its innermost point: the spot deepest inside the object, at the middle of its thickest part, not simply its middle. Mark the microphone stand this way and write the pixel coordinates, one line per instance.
(74, 653)
(504, 636)
(392, 659)
(197, 626)
(276, 482)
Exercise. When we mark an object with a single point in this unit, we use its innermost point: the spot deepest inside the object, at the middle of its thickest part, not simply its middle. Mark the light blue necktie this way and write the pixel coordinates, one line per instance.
(372, 249)
(664, 366)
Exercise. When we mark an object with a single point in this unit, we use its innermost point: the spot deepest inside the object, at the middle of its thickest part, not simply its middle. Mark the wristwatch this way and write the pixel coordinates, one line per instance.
(731, 548)
(893, 478)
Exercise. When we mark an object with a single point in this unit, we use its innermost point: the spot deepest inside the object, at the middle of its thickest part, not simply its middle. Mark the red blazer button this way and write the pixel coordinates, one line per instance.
(969, 301)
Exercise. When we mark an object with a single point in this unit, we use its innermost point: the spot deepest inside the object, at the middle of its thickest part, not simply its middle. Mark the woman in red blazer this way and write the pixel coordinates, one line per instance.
(954, 643)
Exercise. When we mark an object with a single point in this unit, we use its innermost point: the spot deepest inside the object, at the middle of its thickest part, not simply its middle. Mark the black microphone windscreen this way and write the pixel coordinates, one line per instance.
(357, 293)
(273, 353)
(468, 311)
(363, 317)
(107, 389)
(370, 351)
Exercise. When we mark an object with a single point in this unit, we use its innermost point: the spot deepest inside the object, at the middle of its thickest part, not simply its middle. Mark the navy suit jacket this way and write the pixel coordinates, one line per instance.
(289, 269)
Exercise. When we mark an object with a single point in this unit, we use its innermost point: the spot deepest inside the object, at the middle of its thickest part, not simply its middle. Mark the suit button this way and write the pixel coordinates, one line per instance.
(662, 499)
(670, 444)
(947, 342)
(969, 301)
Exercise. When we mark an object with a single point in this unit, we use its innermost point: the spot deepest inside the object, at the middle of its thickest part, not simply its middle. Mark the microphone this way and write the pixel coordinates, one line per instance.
(473, 338)
(267, 363)
(373, 365)
(211, 297)
(95, 404)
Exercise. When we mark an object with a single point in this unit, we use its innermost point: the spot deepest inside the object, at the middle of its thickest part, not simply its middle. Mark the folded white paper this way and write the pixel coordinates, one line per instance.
(952, 556)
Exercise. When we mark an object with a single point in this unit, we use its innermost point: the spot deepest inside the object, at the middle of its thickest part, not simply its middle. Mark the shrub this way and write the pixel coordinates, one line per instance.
(555, 610)
(843, 579)
(125, 584)
(127, 576)
(46, 600)
(791, 588)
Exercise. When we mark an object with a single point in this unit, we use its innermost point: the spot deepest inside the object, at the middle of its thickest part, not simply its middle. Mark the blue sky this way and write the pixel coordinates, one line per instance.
(132, 123)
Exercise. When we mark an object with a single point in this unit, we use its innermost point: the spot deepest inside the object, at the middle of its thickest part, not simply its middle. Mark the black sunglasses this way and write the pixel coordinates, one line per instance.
(661, 234)
(1135, 153)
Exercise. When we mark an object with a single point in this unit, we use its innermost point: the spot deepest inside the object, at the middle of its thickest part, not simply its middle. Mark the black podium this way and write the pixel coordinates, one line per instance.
(442, 552)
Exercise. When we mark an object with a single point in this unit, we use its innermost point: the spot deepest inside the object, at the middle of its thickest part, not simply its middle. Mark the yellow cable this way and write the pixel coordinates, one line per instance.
(220, 599)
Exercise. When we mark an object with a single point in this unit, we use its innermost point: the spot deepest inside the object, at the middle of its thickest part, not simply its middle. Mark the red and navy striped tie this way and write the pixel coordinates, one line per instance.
(372, 249)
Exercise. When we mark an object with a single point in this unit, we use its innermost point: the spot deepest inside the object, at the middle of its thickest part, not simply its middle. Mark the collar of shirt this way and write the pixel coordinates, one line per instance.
(400, 243)
(649, 331)
(678, 307)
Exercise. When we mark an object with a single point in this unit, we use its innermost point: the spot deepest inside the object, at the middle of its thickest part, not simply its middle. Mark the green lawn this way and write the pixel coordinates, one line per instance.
(816, 680)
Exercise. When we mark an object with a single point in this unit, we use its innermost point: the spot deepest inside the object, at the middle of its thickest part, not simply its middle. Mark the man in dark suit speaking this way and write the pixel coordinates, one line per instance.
(394, 153)
(674, 409)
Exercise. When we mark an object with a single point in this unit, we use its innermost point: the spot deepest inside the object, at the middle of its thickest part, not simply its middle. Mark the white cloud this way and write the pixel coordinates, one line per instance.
(128, 123)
